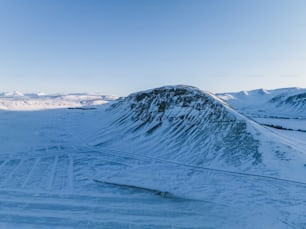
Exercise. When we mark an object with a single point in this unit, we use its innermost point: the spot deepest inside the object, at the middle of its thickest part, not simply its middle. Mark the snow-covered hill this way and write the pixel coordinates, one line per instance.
(282, 103)
(40, 101)
(185, 124)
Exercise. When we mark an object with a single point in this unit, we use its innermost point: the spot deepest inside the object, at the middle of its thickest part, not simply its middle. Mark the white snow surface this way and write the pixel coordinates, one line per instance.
(222, 169)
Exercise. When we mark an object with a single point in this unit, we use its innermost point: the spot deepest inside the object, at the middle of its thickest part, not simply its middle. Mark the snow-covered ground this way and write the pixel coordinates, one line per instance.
(50, 161)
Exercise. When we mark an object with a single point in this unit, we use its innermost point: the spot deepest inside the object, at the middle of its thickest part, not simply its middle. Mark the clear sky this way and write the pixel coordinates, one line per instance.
(121, 46)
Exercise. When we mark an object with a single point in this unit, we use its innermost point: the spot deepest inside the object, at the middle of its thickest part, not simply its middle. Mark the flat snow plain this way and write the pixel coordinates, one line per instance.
(48, 172)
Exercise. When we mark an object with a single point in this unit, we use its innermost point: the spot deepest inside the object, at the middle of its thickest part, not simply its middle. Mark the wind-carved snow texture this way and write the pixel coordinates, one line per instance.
(185, 124)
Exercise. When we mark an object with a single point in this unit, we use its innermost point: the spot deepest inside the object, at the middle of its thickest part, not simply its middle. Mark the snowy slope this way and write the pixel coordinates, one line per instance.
(284, 102)
(40, 101)
(185, 124)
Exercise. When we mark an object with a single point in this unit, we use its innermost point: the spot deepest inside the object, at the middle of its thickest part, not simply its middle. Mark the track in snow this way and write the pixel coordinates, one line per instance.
(54, 190)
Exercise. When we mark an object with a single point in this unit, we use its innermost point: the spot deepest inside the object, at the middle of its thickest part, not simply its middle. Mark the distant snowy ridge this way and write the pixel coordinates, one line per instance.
(185, 124)
(284, 102)
(11, 94)
(41, 101)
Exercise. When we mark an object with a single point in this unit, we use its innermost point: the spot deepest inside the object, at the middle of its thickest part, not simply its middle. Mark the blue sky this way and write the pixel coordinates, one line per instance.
(121, 46)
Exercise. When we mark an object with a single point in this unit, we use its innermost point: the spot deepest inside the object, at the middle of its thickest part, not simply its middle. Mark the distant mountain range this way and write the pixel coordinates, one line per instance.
(283, 103)
(40, 101)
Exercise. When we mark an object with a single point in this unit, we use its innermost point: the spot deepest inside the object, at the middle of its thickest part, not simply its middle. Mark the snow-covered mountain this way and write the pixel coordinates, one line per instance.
(41, 101)
(185, 124)
(283, 103)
